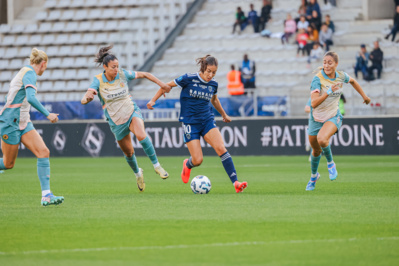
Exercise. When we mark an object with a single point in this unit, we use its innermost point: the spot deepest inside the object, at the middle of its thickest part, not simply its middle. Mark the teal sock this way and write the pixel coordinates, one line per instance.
(2, 167)
(314, 163)
(43, 171)
(132, 163)
(149, 150)
(328, 153)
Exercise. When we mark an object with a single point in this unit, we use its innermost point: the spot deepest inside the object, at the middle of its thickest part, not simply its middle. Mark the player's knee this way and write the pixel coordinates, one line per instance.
(316, 152)
(129, 154)
(221, 149)
(9, 165)
(323, 141)
(141, 136)
(43, 153)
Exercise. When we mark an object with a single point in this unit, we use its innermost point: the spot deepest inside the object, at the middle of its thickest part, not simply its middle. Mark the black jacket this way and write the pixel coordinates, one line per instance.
(378, 56)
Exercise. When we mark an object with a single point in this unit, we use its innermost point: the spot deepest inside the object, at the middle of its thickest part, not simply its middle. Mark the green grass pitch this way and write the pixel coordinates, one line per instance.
(106, 221)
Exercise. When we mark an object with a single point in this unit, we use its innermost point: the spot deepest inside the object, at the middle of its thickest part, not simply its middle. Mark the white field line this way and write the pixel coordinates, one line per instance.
(254, 243)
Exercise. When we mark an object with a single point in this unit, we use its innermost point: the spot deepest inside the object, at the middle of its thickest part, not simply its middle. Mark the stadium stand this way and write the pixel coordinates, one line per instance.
(70, 31)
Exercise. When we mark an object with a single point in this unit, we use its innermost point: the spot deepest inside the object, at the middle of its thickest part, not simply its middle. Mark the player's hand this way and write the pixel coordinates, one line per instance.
(367, 100)
(226, 119)
(89, 97)
(166, 88)
(53, 117)
(336, 87)
(150, 105)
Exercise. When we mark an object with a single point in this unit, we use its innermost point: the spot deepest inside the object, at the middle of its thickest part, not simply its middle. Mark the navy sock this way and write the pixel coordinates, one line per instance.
(228, 165)
(190, 164)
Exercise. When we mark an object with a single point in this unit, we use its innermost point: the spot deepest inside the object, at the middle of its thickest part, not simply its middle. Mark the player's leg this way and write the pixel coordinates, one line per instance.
(196, 158)
(10, 153)
(214, 138)
(34, 142)
(323, 137)
(137, 127)
(127, 148)
(315, 157)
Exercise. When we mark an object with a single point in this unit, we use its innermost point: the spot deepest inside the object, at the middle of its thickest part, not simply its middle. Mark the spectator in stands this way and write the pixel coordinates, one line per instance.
(122, 113)
(316, 53)
(302, 10)
(248, 70)
(234, 83)
(316, 20)
(362, 59)
(302, 23)
(325, 37)
(241, 20)
(330, 3)
(376, 57)
(265, 14)
(301, 39)
(395, 27)
(289, 29)
(313, 5)
(253, 18)
(313, 37)
(329, 23)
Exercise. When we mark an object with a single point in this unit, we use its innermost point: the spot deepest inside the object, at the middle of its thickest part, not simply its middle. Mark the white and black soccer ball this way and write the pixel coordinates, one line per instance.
(201, 184)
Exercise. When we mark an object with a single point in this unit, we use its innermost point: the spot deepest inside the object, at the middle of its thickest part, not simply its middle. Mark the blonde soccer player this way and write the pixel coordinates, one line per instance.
(325, 118)
(121, 112)
(16, 127)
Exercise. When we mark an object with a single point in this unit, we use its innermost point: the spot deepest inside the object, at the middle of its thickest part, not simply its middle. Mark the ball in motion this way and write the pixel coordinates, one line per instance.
(201, 184)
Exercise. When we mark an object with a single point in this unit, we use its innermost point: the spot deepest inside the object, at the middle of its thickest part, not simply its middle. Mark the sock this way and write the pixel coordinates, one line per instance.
(327, 153)
(149, 150)
(228, 165)
(45, 192)
(2, 167)
(314, 164)
(132, 163)
(190, 164)
(156, 164)
(43, 171)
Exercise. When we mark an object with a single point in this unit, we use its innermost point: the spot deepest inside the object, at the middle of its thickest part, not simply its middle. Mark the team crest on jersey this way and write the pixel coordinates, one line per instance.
(188, 136)
(122, 84)
(210, 88)
(5, 136)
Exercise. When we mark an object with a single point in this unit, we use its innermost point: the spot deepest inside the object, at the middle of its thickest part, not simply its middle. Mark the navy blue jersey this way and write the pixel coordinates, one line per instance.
(195, 97)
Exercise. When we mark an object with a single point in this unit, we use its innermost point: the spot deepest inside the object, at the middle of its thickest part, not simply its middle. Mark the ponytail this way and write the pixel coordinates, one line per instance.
(104, 56)
(206, 61)
(37, 56)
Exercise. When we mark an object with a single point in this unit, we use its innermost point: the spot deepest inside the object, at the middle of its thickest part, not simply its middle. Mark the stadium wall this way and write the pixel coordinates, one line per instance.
(358, 136)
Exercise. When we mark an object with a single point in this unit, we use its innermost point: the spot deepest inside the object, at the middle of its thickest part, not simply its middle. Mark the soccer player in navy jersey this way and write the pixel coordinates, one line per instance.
(196, 115)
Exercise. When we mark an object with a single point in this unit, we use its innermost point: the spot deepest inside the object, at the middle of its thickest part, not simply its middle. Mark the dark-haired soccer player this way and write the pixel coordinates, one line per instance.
(122, 113)
(198, 89)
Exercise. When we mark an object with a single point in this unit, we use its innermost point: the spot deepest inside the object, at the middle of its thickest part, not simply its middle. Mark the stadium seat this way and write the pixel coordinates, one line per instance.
(50, 3)
(98, 25)
(67, 15)
(35, 40)
(46, 86)
(5, 28)
(72, 26)
(90, 3)
(6, 76)
(48, 39)
(4, 64)
(81, 14)
(65, 50)
(59, 85)
(58, 27)
(82, 62)
(72, 85)
(54, 15)
(54, 63)
(11, 52)
(17, 28)
(77, 50)
(8, 40)
(64, 4)
(61, 38)
(111, 25)
(108, 13)
(84, 26)
(21, 40)
(75, 38)
(68, 62)
(95, 14)
(77, 3)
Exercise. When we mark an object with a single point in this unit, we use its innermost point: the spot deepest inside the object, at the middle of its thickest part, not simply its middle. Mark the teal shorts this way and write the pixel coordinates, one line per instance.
(11, 134)
(120, 131)
(314, 127)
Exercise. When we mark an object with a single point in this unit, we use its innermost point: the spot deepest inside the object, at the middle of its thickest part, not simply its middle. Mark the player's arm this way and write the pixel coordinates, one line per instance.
(151, 77)
(317, 98)
(359, 89)
(28, 81)
(88, 97)
(216, 103)
(159, 93)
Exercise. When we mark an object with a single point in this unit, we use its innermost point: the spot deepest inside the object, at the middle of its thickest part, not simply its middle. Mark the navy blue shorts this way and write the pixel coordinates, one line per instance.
(195, 131)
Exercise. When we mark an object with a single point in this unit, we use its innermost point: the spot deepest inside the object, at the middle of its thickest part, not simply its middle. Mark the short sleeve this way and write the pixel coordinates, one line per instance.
(95, 85)
(216, 90)
(347, 78)
(316, 85)
(182, 81)
(130, 75)
(29, 80)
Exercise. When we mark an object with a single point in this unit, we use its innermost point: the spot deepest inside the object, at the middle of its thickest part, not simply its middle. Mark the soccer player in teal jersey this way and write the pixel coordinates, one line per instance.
(121, 112)
(325, 118)
(198, 91)
(16, 127)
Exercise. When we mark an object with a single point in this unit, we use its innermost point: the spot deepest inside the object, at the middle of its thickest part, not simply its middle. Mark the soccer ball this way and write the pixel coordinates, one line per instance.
(201, 184)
